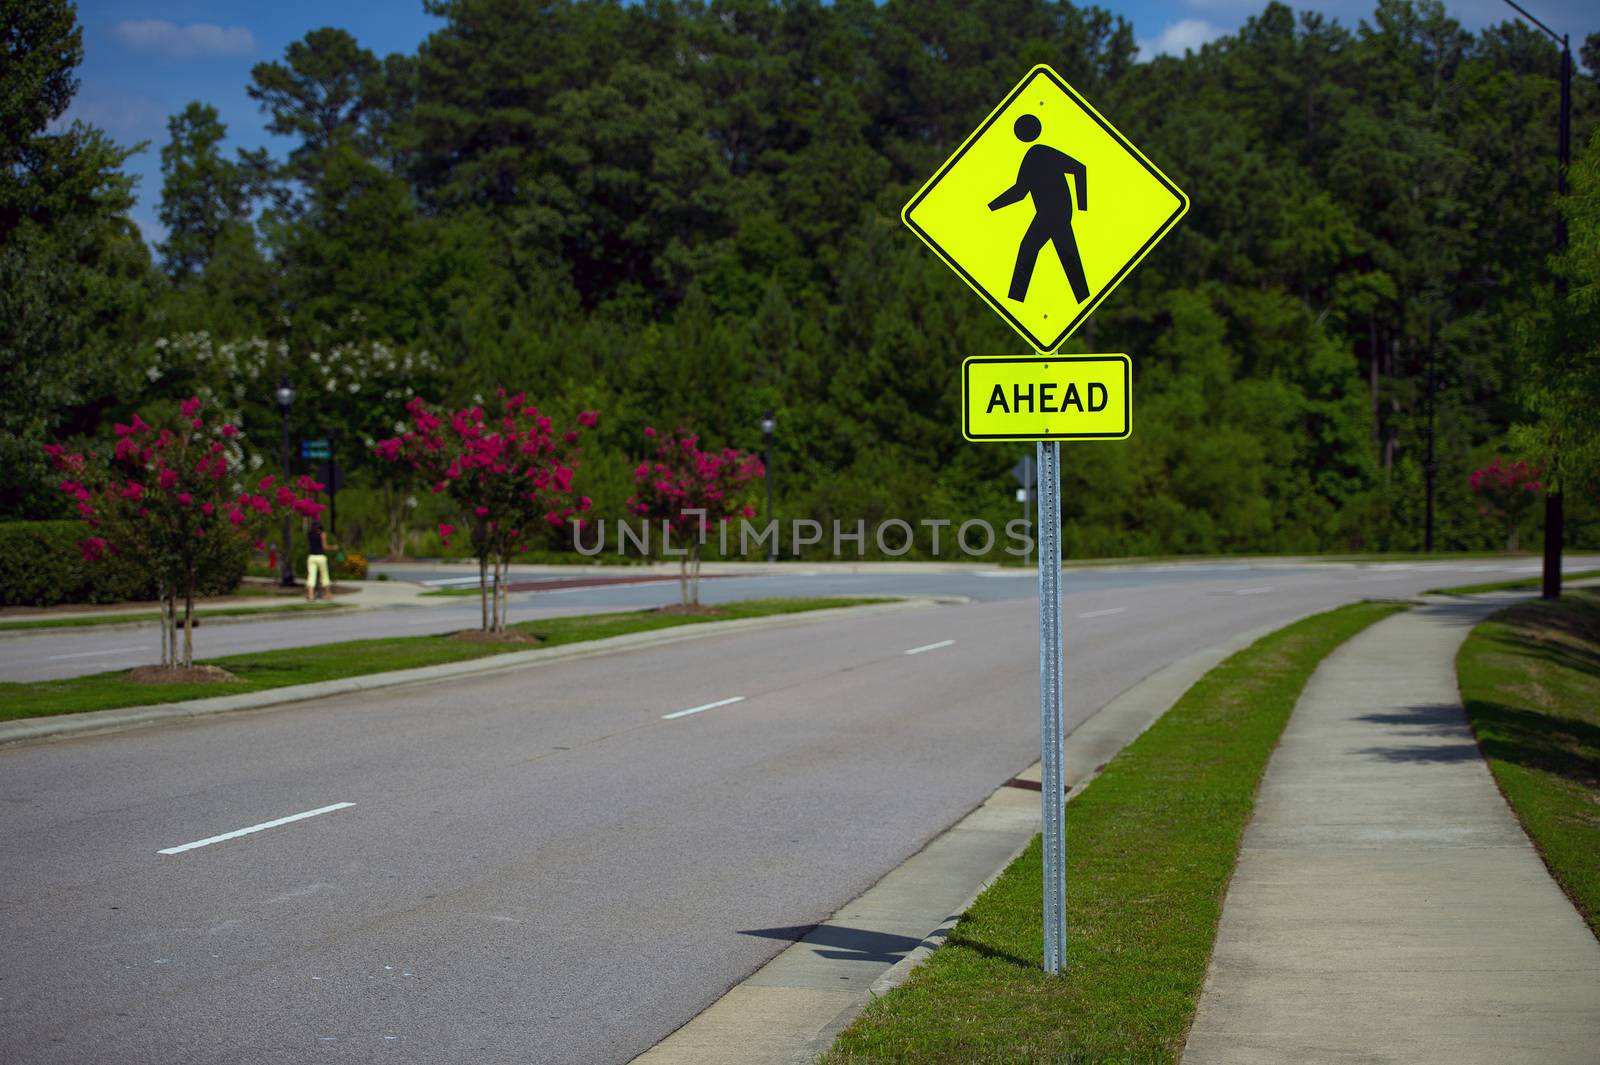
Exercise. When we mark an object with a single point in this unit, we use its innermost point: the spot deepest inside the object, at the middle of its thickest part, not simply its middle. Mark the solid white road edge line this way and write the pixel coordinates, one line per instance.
(1103, 613)
(255, 828)
(707, 706)
(930, 647)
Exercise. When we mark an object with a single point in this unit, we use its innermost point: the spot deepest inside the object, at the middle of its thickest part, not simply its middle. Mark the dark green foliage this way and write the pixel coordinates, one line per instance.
(685, 214)
(41, 565)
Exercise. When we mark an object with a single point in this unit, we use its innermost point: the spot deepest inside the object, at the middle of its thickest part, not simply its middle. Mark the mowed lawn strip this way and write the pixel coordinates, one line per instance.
(306, 665)
(1530, 680)
(1516, 585)
(1151, 845)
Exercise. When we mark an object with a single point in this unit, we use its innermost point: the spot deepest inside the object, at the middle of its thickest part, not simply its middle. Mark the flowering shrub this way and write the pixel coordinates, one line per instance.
(1507, 491)
(691, 491)
(349, 390)
(170, 496)
(507, 473)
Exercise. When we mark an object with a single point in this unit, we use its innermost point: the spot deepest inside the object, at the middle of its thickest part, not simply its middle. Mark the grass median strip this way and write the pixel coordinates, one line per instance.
(1517, 585)
(154, 616)
(1151, 845)
(262, 670)
(1530, 680)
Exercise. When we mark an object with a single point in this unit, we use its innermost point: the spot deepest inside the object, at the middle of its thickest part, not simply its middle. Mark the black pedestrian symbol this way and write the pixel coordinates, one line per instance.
(1042, 176)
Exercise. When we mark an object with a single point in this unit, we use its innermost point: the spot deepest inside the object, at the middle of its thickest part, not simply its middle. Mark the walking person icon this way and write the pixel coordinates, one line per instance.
(1042, 176)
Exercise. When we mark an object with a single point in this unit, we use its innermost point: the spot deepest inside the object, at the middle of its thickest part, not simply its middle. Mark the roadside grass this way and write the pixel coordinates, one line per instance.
(154, 615)
(439, 593)
(1530, 679)
(263, 670)
(1151, 845)
(1516, 585)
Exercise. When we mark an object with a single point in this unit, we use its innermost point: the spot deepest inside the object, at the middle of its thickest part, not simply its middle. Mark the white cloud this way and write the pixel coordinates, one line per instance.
(160, 37)
(1179, 37)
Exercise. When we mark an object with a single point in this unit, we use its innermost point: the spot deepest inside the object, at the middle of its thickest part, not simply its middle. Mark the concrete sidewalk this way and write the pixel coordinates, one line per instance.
(1387, 906)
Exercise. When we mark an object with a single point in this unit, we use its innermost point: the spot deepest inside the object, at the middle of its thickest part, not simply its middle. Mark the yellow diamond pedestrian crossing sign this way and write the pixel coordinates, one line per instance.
(1045, 208)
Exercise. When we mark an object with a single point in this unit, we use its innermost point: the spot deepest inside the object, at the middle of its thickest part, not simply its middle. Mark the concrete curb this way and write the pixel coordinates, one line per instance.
(99, 721)
(791, 1009)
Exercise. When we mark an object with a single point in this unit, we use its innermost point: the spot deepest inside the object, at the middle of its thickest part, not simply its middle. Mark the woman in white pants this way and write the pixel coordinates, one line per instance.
(317, 561)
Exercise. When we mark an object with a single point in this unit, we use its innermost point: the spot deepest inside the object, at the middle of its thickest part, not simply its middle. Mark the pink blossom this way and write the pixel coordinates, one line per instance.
(589, 418)
(93, 549)
(168, 477)
(184, 498)
(230, 430)
(190, 407)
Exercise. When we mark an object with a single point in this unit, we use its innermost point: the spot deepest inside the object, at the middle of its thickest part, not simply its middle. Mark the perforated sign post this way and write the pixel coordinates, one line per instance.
(1010, 213)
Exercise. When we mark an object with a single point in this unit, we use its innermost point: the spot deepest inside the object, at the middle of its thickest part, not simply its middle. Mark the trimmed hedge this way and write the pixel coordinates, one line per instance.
(41, 565)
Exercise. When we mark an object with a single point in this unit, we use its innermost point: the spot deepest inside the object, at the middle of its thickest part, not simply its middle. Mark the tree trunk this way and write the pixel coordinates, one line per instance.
(483, 588)
(683, 580)
(395, 505)
(188, 615)
(167, 616)
(500, 593)
(172, 629)
(694, 574)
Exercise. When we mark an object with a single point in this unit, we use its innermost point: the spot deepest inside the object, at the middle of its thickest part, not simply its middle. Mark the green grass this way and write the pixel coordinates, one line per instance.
(306, 665)
(1530, 678)
(442, 593)
(1516, 585)
(152, 615)
(1151, 845)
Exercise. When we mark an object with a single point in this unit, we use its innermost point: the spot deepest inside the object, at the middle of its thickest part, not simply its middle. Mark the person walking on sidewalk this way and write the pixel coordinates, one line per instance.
(320, 543)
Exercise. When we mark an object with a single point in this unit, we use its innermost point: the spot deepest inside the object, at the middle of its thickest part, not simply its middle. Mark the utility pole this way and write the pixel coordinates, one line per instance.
(1431, 469)
(1554, 512)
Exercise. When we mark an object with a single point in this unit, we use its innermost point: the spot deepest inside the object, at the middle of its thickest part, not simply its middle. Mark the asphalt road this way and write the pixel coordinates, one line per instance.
(538, 866)
(58, 653)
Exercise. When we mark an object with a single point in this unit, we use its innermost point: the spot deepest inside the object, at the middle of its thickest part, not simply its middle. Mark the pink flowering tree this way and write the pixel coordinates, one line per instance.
(509, 472)
(1507, 491)
(171, 496)
(690, 492)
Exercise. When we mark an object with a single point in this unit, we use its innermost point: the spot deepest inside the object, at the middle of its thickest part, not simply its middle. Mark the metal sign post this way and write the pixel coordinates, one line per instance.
(969, 212)
(1052, 718)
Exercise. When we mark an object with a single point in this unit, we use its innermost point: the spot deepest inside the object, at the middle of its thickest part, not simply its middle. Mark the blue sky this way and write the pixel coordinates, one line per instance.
(145, 59)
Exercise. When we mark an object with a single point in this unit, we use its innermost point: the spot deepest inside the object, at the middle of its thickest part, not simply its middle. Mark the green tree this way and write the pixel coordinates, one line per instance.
(203, 195)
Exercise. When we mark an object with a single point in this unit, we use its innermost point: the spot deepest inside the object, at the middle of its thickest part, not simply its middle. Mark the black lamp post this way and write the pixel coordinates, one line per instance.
(1554, 513)
(768, 425)
(285, 397)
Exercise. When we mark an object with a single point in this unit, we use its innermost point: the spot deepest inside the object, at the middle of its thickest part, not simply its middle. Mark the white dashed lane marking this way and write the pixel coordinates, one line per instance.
(236, 833)
(702, 708)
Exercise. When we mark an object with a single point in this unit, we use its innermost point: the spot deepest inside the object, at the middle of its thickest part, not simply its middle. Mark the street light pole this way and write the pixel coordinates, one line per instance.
(768, 424)
(1433, 466)
(1554, 512)
(285, 397)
